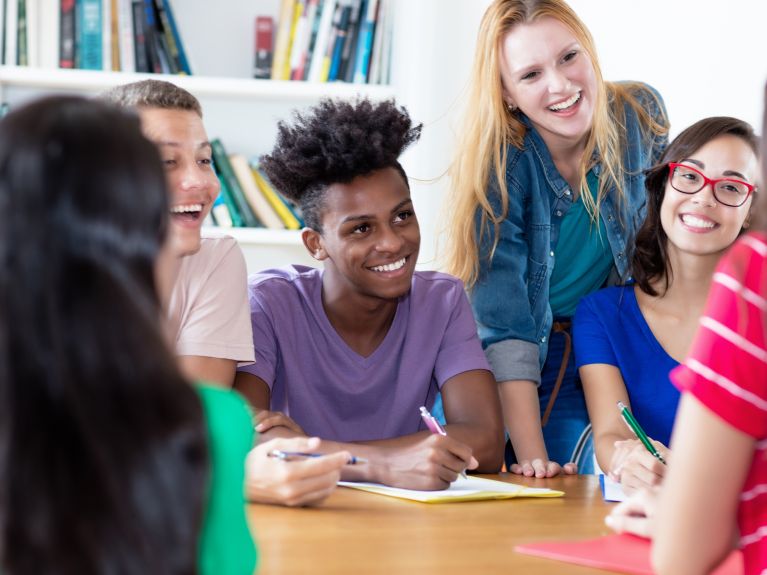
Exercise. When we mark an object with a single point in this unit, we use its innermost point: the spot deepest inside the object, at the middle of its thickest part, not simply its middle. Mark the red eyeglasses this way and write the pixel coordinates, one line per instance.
(727, 191)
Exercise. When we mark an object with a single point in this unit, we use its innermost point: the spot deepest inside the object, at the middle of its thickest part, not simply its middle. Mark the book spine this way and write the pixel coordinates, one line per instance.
(21, 33)
(33, 32)
(300, 51)
(106, 35)
(278, 204)
(125, 37)
(154, 59)
(220, 213)
(67, 34)
(338, 46)
(256, 200)
(231, 207)
(50, 14)
(263, 49)
(183, 60)
(374, 76)
(139, 37)
(169, 43)
(366, 44)
(324, 27)
(225, 169)
(89, 32)
(282, 41)
(346, 68)
(298, 10)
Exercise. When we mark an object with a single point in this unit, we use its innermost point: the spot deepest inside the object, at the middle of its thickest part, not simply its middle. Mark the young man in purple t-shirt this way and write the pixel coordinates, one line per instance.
(351, 352)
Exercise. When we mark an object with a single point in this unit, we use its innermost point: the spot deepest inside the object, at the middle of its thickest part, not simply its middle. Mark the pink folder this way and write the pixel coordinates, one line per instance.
(619, 553)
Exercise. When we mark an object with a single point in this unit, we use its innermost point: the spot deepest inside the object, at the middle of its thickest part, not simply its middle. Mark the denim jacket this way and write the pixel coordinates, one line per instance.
(511, 297)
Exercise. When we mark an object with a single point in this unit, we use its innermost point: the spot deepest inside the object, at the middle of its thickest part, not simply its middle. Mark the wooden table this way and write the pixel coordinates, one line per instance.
(357, 532)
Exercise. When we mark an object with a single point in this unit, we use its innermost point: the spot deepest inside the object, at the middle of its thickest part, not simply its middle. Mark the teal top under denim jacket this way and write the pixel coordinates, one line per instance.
(511, 297)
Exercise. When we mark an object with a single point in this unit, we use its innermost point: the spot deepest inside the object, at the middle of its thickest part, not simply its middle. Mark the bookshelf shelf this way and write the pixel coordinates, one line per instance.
(245, 88)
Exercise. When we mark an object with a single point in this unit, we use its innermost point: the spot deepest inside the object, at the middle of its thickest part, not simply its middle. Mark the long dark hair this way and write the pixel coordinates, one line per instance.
(103, 457)
(649, 260)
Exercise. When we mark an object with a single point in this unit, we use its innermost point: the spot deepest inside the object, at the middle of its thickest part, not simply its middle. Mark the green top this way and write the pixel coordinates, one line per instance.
(583, 259)
(226, 546)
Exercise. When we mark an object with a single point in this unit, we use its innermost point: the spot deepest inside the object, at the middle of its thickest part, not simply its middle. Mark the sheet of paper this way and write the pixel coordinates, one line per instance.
(611, 490)
(462, 489)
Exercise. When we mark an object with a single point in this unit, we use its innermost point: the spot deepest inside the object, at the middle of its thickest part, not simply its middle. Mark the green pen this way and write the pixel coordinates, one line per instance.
(639, 432)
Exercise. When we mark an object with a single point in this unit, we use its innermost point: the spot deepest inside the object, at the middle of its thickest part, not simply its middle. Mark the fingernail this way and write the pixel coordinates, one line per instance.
(260, 427)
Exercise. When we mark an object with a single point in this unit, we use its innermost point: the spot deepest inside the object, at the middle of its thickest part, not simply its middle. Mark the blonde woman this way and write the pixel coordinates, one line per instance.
(547, 192)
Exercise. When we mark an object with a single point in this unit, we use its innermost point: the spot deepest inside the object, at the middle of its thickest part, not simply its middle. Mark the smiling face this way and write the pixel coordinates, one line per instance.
(192, 182)
(698, 223)
(370, 235)
(548, 75)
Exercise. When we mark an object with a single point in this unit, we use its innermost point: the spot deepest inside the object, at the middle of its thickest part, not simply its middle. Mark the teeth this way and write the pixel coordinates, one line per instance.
(566, 104)
(186, 209)
(694, 222)
(390, 267)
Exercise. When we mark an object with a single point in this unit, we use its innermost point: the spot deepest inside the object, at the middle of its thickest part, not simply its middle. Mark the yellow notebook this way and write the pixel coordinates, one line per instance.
(462, 489)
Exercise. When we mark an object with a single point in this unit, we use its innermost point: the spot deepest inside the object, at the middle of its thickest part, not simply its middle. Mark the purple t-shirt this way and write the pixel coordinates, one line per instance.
(333, 392)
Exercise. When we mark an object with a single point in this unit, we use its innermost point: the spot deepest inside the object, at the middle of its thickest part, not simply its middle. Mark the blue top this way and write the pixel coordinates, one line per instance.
(584, 260)
(609, 328)
(511, 297)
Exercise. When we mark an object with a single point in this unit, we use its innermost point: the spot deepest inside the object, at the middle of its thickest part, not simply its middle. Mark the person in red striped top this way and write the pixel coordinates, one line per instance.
(714, 497)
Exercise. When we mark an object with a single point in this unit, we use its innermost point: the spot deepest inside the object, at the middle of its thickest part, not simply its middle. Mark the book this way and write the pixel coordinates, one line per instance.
(167, 39)
(223, 167)
(21, 33)
(220, 213)
(279, 205)
(106, 35)
(33, 32)
(125, 39)
(611, 490)
(349, 53)
(340, 40)
(315, 28)
(324, 28)
(264, 37)
(365, 44)
(229, 204)
(470, 488)
(89, 30)
(154, 59)
(300, 52)
(50, 15)
(620, 553)
(256, 200)
(282, 41)
(184, 65)
(139, 37)
(66, 34)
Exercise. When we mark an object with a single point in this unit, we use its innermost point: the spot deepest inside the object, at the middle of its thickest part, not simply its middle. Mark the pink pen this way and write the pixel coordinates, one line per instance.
(434, 426)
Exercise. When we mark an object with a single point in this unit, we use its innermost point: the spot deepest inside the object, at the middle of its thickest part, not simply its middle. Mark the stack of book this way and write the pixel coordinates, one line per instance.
(247, 198)
(326, 41)
(112, 35)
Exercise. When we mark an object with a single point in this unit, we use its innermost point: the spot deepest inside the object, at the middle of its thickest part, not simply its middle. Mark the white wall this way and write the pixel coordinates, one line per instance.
(704, 59)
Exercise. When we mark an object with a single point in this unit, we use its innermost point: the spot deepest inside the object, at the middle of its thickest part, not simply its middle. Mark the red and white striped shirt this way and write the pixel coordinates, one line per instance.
(726, 370)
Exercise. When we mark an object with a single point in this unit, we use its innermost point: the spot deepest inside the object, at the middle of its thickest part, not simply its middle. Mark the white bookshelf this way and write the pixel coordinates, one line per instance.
(429, 65)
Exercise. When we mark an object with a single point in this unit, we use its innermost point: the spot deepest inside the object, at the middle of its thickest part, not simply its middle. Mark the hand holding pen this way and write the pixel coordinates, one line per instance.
(292, 481)
(435, 427)
(637, 463)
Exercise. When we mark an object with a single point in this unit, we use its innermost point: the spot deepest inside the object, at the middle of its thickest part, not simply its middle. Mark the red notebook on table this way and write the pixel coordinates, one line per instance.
(619, 553)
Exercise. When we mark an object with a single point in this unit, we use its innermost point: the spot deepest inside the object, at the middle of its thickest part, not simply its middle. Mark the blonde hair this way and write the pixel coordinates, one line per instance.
(490, 127)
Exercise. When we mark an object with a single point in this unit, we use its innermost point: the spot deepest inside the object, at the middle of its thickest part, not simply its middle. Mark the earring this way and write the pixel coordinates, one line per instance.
(511, 107)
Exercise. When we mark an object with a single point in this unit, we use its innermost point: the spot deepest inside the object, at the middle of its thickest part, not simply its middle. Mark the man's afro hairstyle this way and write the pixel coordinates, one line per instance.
(336, 141)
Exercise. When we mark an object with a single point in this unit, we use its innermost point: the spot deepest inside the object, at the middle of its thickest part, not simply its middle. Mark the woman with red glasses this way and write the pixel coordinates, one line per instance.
(628, 338)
